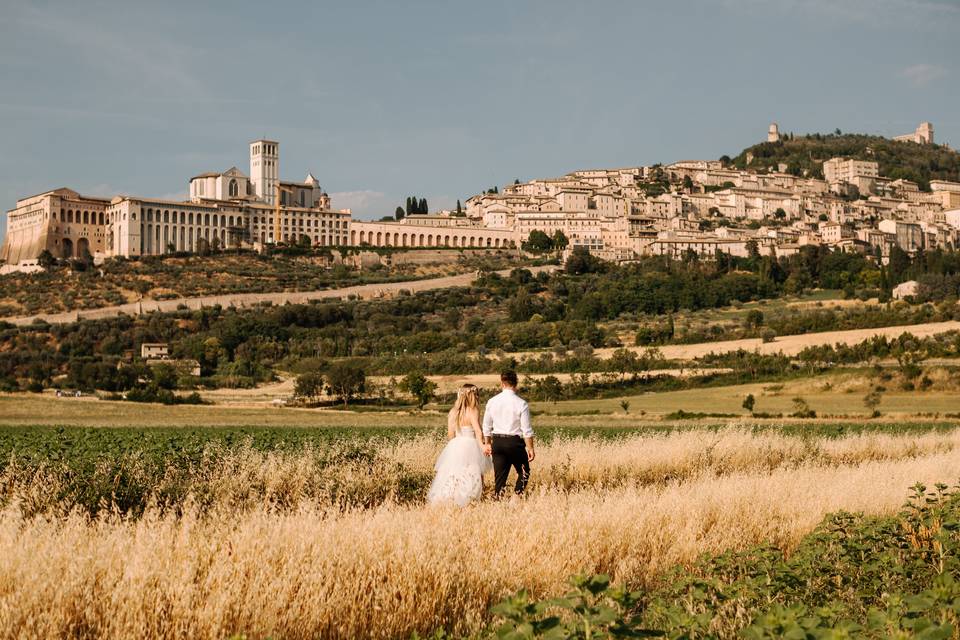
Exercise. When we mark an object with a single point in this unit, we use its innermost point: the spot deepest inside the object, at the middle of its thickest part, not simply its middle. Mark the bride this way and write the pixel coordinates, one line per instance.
(462, 463)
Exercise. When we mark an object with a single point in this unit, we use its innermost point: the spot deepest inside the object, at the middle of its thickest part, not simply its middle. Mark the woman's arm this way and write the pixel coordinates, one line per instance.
(451, 428)
(475, 423)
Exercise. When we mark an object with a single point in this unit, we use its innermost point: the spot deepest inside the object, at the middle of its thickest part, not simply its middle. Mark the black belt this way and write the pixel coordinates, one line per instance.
(506, 435)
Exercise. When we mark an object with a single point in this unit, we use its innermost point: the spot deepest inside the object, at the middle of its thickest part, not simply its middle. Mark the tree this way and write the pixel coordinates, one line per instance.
(308, 385)
(345, 381)
(754, 319)
(560, 241)
(871, 401)
(423, 209)
(625, 405)
(538, 242)
(688, 183)
(46, 259)
(801, 409)
(420, 387)
(581, 261)
(749, 403)
(550, 388)
(164, 375)
(459, 209)
(624, 361)
(780, 214)
(399, 214)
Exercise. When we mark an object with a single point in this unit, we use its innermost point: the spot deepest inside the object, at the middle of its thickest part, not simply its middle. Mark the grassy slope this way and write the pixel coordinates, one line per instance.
(920, 163)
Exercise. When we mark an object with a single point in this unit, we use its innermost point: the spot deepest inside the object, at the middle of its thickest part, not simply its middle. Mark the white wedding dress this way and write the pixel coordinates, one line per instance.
(459, 471)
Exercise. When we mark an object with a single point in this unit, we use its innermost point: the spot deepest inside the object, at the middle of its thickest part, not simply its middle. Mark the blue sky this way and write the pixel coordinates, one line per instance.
(444, 99)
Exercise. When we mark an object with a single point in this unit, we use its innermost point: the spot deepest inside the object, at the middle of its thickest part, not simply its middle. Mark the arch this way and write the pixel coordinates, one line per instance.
(422, 239)
(396, 238)
(190, 218)
(234, 191)
(430, 240)
(182, 244)
(446, 241)
(83, 247)
(403, 240)
(66, 249)
(100, 218)
(148, 239)
(206, 219)
(70, 216)
(379, 238)
(86, 217)
(231, 221)
(157, 247)
(353, 237)
(489, 242)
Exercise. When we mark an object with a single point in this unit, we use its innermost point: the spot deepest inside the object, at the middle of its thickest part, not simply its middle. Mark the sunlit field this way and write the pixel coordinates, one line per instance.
(107, 533)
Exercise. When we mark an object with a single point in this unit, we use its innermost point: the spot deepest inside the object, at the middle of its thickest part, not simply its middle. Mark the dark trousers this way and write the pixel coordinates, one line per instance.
(509, 451)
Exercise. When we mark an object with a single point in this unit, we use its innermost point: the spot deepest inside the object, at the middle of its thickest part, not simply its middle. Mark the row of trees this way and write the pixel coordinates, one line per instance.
(414, 207)
(539, 242)
(346, 381)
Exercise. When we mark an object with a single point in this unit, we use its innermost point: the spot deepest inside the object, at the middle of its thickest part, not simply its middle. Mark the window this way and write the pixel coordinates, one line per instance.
(233, 188)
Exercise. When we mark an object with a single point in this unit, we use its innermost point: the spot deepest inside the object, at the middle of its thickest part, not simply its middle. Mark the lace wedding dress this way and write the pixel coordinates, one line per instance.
(459, 471)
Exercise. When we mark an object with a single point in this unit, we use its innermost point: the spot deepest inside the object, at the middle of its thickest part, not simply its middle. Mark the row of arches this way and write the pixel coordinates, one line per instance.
(404, 239)
(66, 248)
(158, 239)
(81, 217)
(184, 217)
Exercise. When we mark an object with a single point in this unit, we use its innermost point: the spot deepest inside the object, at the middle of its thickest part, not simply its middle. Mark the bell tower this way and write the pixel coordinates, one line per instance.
(265, 169)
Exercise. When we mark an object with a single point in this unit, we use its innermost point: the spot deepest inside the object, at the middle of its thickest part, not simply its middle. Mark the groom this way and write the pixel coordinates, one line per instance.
(507, 435)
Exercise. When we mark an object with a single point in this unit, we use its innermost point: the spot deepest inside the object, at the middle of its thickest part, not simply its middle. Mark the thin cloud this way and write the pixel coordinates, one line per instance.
(922, 75)
(147, 59)
(364, 202)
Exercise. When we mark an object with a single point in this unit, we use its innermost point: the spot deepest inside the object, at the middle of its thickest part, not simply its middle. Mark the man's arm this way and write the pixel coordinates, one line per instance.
(526, 430)
(487, 422)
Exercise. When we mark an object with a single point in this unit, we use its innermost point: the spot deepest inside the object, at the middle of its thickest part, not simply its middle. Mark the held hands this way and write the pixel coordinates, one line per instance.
(531, 454)
(487, 450)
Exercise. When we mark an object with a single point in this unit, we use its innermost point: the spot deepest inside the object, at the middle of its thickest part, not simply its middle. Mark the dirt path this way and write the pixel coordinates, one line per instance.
(792, 345)
(788, 345)
(365, 291)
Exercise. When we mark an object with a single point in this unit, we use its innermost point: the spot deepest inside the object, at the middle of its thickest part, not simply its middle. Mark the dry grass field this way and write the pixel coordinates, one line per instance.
(267, 557)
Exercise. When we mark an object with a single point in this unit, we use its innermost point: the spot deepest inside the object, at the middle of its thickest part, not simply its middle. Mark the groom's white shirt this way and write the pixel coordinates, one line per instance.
(507, 414)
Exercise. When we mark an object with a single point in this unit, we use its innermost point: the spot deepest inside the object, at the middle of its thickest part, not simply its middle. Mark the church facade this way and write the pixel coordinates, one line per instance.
(226, 209)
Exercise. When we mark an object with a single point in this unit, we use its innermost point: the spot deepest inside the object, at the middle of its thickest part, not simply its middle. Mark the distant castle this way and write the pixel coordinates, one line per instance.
(773, 133)
(922, 135)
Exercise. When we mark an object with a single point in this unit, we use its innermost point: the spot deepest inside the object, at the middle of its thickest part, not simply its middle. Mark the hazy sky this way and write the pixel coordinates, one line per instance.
(444, 99)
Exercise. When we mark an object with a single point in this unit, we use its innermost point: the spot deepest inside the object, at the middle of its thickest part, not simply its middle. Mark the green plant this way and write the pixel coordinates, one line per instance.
(591, 609)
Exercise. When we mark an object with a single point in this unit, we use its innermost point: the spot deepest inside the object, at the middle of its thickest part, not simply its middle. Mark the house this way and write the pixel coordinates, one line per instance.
(154, 351)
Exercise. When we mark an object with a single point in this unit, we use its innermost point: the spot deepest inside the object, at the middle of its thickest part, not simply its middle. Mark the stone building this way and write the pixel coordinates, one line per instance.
(923, 134)
(60, 221)
(773, 133)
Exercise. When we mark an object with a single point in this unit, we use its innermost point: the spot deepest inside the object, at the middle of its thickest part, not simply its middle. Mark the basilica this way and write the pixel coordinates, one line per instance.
(226, 209)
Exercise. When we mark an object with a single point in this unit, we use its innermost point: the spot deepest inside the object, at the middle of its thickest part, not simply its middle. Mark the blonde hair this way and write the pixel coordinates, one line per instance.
(468, 397)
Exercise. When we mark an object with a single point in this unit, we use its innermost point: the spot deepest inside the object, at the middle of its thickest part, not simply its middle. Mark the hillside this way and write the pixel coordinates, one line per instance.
(804, 155)
(68, 286)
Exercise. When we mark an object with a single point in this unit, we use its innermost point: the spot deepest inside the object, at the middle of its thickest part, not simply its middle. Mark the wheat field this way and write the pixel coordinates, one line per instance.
(266, 554)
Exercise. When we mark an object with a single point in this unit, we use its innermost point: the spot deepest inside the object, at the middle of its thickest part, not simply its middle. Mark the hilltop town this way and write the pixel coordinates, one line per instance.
(753, 203)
